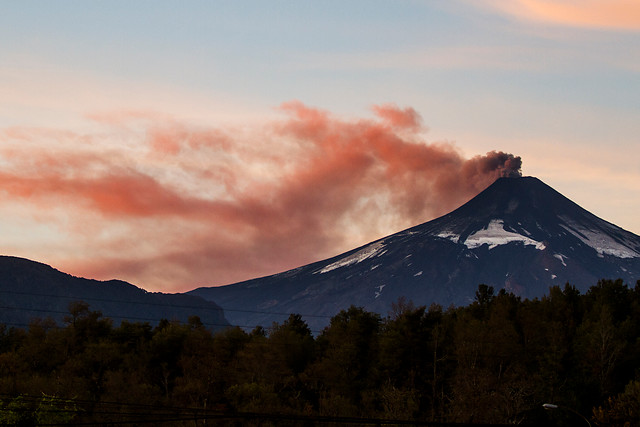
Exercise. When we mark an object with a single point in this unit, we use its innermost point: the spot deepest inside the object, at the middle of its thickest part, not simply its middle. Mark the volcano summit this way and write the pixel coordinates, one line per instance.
(519, 234)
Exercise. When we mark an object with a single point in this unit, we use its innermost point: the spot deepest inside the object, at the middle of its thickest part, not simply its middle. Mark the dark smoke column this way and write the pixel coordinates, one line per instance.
(511, 165)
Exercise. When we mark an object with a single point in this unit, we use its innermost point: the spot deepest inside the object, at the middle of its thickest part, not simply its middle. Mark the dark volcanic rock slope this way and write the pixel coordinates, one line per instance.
(31, 290)
(519, 234)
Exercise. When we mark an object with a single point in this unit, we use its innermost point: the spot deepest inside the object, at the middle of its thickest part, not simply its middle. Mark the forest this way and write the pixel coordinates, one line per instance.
(495, 361)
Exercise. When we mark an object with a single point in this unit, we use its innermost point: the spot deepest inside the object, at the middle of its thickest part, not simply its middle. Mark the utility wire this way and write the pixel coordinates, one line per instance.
(50, 311)
(173, 414)
(163, 304)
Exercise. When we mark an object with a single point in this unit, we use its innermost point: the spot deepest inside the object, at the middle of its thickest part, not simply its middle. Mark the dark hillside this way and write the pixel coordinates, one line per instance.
(31, 290)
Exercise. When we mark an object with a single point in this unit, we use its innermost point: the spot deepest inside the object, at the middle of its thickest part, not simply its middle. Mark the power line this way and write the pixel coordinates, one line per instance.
(224, 325)
(164, 304)
(164, 414)
(151, 304)
(276, 313)
(103, 315)
(83, 298)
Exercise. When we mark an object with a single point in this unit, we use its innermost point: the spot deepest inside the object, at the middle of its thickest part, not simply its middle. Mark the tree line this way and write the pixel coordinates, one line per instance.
(497, 360)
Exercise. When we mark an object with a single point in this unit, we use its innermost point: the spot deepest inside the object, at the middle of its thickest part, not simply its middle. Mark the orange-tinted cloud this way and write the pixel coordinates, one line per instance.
(402, 118)
(179, 206)
(613, 14)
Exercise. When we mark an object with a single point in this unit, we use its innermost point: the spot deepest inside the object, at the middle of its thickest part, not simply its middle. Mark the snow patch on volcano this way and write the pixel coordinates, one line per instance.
(495, 235)
(449, 235)
(600, 241)
(561, 258)
(364, 253)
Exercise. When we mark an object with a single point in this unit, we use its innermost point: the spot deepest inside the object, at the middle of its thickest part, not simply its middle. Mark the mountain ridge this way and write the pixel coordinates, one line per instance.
(31, 289)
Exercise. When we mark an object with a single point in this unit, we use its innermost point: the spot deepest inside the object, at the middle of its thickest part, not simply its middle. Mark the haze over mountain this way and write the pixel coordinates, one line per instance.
(519, 235)
(30, 290)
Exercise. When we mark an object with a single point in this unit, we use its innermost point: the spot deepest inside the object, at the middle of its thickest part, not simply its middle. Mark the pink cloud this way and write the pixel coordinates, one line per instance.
(183, 205)
(402, 118)
(613, 14)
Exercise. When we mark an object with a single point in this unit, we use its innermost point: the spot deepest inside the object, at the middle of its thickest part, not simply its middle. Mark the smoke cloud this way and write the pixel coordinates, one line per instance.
(169, 205)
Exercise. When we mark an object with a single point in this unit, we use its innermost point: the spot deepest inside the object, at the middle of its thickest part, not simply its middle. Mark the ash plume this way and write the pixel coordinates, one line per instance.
(179, 204)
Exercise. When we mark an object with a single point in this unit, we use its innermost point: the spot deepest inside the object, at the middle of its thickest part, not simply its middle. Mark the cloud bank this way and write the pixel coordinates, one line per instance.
(170, 205)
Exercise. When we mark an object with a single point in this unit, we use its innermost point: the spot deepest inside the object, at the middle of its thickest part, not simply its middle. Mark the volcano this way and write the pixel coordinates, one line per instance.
(519, 234)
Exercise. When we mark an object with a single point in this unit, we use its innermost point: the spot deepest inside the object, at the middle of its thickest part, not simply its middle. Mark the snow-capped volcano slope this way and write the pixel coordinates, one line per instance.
(518, 234)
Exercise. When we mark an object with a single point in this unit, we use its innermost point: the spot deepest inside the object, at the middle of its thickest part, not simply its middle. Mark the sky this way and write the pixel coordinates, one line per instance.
(200, 143)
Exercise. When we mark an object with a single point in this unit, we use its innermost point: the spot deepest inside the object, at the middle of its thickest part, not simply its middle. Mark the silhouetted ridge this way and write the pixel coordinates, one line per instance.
(30, 289)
